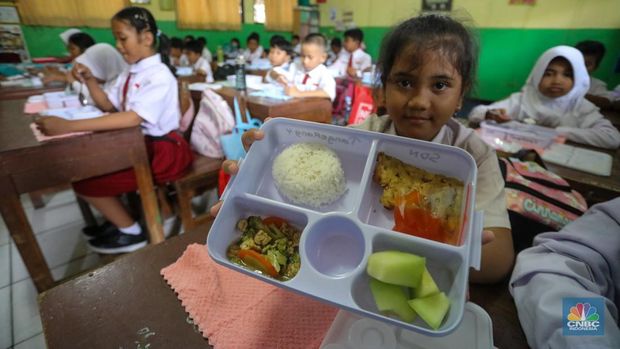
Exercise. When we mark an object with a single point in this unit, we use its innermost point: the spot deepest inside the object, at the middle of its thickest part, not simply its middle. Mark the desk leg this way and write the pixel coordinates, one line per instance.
(147, 195)
(21, 231)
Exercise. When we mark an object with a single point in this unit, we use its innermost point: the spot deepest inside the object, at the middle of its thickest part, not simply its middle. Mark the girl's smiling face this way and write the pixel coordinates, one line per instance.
(557, 80)
(421, 98)
(133, 46)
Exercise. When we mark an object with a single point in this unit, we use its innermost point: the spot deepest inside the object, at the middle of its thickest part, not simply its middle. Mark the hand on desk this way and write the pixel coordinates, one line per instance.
(292, 91)
(52, 126)
(497, 115)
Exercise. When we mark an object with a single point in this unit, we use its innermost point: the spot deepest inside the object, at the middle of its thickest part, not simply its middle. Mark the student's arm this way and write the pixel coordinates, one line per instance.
(579, 261)
(595, 130)
(497, 258)
(294, 92)
(55, 126)
(484, 112)
(81, 72)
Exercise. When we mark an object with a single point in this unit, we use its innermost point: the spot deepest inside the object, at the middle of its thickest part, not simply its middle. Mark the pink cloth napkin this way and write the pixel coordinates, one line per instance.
(34, 107)
(236, 311)
(42, 138)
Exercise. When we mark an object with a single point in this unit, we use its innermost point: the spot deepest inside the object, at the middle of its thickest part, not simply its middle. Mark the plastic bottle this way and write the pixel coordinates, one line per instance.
(220, 55)
(347, 109)
(240, 73)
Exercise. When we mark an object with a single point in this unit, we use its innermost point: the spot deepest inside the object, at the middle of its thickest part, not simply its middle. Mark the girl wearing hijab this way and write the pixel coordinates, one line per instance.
(105, 64)
(554, 96)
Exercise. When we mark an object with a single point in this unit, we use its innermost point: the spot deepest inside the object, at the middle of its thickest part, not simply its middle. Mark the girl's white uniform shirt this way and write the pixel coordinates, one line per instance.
(206, 54)
(251, 56)
(151, 93)
(571, 115)
(318, 78)
(287, 70)
(202, 64)
(360, 61)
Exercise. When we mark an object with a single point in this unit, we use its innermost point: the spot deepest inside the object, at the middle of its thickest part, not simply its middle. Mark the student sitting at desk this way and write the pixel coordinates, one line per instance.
(77, 43)
(146, 95)
(254, 50)
(177, 57)
(593, 53)
(355, 60)
(581, 260)
(335, 51)
(206, 53)
(105, 64)
(280, 55)
(314, 80)
(554, 96)
(193, 51)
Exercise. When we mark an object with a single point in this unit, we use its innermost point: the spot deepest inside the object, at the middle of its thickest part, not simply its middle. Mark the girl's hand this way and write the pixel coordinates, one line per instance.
(52, 126)
(291, 91)
(230, 166)
(81, 72)
(498, 115)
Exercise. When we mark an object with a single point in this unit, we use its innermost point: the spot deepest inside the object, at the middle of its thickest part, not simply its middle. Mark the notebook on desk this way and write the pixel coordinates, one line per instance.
(585, 160)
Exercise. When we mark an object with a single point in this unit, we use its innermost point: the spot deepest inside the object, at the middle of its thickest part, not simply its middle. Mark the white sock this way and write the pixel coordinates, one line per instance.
(133, 229)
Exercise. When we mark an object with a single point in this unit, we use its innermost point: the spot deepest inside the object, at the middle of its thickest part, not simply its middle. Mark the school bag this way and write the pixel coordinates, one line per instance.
(344, 88)
(214, 119)
(537, 199)
(231, 143)
(221, 73)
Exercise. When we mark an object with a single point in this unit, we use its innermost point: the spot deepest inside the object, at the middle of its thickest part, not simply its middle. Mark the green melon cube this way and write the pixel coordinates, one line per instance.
(391, 299)
(427, 286)
(432, 309)
(395, 267)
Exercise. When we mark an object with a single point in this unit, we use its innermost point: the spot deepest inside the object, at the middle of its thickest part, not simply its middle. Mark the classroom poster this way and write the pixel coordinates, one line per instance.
(12, 41)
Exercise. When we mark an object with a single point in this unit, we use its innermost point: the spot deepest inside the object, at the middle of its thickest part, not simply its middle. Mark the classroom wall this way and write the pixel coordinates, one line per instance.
(511, 36)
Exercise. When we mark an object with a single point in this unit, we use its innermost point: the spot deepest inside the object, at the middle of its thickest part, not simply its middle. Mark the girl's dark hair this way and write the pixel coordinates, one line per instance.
(419, 35)
(253, 36)
(194, 46)
(281, 43)
(82, 40)
(592, 48)
(142, 20)
(176, 43)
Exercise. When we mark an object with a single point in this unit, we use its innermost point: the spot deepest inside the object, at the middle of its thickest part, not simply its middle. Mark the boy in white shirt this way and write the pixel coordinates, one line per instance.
(254, 50)
(280, 55)
(355, 60)
(593, 53)
(335, 51)
(296, 44)
(206, 54)
(314, 80)
(193, 51)
(177, 58)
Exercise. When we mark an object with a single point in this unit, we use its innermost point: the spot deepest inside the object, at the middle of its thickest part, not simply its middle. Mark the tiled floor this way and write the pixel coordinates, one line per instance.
(57, 227)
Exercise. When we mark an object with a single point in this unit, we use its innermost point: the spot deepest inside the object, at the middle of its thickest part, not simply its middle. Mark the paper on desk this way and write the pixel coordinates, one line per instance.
(235, 311)
(271, 91)
(585, 160)
(43, 138)
(201, 86)
(79, 113)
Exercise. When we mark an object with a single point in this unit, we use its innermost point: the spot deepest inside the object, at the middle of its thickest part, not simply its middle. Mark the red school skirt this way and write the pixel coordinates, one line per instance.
(169, 156)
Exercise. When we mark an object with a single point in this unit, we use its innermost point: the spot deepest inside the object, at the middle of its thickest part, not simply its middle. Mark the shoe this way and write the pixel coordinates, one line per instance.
(94, 231)
(118, 242)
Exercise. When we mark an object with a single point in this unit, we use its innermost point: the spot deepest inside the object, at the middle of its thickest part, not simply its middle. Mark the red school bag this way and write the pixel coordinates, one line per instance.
(363, 105)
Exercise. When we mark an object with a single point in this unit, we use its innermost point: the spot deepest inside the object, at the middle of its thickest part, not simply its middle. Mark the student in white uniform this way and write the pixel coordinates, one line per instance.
(193, 51)
(296, 43)
(254, 50)
(177, 57)
(280, 57)
(104, 63)
(146, 95)
(335, 51)
(554, 96)
(206, 54)
(355, 60)
(593, 53)
(314, 80)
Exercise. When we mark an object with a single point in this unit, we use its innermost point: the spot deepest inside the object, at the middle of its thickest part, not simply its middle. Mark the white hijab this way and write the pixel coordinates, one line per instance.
(103, 60)
(550, 111)
(64, 36)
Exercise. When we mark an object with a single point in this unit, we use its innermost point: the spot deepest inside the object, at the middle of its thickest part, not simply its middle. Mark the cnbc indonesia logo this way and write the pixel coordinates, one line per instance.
(583, 317)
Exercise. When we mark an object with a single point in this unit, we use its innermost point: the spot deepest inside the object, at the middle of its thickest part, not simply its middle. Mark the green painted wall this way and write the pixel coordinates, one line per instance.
(507, 55)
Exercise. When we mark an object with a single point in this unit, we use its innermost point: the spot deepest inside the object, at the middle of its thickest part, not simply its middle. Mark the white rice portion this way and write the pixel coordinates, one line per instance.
(309, 174)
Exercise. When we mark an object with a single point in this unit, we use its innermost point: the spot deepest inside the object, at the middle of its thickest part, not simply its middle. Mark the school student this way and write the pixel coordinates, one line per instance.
(145, 94)
(77, 43)
(177, 57)
(233, 48)
(314, 80)
(280, 57)
(206, 54)
(581, 261)
(193, 51)
(105, 64)
(296, 43)
(554, 96)
(254, 50)
(593, 53)
(355, 60)
(335, 51)
(427, 65)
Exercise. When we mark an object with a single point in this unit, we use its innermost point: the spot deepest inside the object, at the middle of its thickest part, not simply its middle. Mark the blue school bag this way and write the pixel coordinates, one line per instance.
(231, 143)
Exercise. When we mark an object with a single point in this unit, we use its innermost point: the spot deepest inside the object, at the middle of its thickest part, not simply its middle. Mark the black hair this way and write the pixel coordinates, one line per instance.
(317, 39)
(194, 46)
(419, 35)
(253, 36)
(336, 42)
(142, 20)
(236, 40)
(188, 37)
(176, 43)
(295, 36)
(356, 34)
(281, 43)
(275, 37)
(81, 40)
(202, 40)
(592, 48)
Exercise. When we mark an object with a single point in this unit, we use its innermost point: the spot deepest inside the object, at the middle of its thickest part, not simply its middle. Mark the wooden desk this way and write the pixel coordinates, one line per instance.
(7, 93)
(85, 311)
(27, 165)
(593, 187)
(310, 109)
